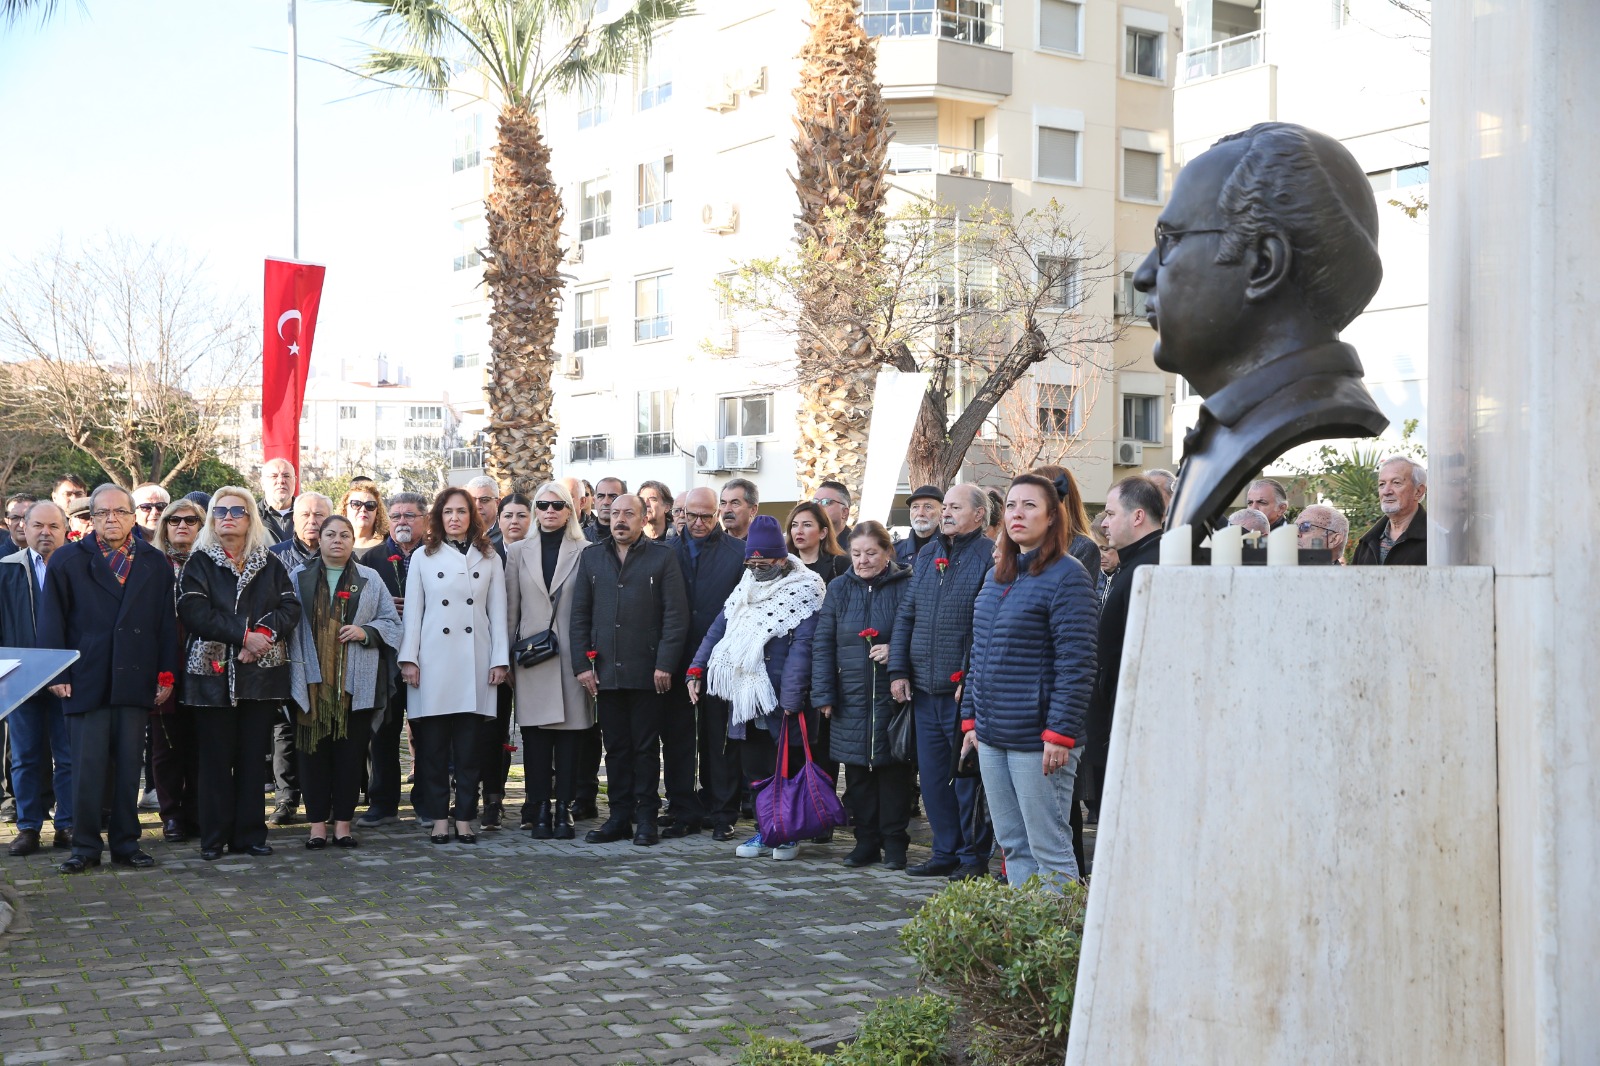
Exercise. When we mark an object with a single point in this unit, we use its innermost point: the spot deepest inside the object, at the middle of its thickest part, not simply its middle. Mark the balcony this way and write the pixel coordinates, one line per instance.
(963, 178)
(972, 21)
(1224, 57)
(948, 48)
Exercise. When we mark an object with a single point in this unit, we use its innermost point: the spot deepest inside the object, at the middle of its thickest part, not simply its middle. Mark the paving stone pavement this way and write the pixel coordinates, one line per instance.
(512, 950)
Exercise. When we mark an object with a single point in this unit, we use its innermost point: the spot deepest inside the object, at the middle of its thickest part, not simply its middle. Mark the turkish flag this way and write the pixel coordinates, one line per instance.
(293, 293)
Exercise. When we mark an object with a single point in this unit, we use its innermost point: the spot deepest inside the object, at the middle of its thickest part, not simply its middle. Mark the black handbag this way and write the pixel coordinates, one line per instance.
(902, 734)
(535, 649)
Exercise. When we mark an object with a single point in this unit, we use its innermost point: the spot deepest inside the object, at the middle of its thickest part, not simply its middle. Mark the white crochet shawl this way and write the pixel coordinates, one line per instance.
(757, 611)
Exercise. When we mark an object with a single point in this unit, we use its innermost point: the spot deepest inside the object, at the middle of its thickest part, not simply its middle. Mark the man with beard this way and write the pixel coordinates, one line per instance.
(277, 499)
(606, 491)
(926, 504)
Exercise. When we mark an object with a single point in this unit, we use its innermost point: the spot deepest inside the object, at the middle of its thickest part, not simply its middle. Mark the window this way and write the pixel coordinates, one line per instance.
(1141, 418)
(592, 106)
(1062, 278)
(388, 412)
(424, 445)
(592, 315)
(589, 449)
(469, 137)
(1141, 175)
(1061, 25)
(746, 416)
(347, 412)
(467, 253)
(255, 412)
(1131, 302)
(594, 209)
(1142, 53)
(1058, 410)
(1058, 154)
(386, 444)
(425, 416)
(652, 309)
(974, 21)
(655, 193)
(1399, 177)
(655, 83)
(468, 341)
(655, 424)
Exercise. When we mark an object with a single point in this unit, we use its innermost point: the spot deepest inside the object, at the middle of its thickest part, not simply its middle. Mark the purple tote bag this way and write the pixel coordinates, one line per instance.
(791, 809)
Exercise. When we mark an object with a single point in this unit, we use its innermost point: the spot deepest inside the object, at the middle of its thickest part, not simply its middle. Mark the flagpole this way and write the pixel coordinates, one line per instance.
(294, 129)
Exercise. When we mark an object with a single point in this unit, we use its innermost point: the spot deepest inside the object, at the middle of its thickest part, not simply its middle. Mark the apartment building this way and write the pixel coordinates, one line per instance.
(674, 176)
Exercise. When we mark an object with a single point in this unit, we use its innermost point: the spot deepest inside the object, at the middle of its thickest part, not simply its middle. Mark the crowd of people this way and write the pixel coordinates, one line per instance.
(226, 642)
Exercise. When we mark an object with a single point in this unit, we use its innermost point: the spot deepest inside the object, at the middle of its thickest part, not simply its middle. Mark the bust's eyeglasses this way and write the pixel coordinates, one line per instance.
(550, 505)
(236, 511)
(363, 505)
(1166, 238)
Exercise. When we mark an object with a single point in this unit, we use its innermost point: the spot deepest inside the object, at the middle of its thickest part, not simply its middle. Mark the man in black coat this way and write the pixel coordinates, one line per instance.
(712, 562)
(109, 596)
(925, 505)
(277, 499)
(1400, 537)
(630, 616)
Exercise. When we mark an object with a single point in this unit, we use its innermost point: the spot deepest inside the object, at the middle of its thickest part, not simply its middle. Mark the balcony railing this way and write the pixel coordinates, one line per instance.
(1224, 57)
(943, 159)
(972, 21)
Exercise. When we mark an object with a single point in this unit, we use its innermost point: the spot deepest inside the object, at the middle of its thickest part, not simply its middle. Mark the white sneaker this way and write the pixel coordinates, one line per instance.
(752, 848)
(784, 852)
(148, 801)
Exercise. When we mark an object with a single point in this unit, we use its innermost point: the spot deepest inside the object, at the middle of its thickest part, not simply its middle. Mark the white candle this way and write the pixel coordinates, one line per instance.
(1283, 546)
(1177, 546)
(1227, 546)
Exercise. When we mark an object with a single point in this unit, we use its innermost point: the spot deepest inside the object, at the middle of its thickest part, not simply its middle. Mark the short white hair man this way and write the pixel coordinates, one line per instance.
(149, 500)
(1400, 538)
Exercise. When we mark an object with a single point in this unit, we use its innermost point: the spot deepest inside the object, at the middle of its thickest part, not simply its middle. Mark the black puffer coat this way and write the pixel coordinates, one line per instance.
(839, 663)
(218, 606)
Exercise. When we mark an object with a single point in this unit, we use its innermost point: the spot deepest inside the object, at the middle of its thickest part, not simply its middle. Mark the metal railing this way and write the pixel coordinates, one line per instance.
(943, 159)
(1224, 57)
(972, 21)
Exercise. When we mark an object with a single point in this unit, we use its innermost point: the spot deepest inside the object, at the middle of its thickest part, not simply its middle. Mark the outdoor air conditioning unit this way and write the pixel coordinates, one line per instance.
(724, 338)
(720, 96)
(572, 365)
(720, 217)
(574, 253)
(740, 453)
(751, 81)
(1130, 453)
(708, 457)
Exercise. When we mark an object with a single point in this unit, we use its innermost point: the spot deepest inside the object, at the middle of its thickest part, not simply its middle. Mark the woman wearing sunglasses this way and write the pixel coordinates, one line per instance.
(552, 708)
(174, 756)
(364, 508)
(239, 608)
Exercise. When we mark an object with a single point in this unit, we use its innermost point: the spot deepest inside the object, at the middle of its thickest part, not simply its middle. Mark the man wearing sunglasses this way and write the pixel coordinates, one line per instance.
(149, 500)
(1322, 528)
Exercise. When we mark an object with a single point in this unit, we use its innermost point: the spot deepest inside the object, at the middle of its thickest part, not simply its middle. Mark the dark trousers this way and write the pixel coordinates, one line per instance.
(383, 761)
(233, 741)
(496, 760)
(589, 752)
(445, 741)
(821, 742)
(879, 802)
(951, 805)
(679, 748)
(41, 764)
(285, 766)
(549, 754)
(631, 720)
(758, 755)
(720, 767)
(330, 777)
(107, 743)
(175, 756)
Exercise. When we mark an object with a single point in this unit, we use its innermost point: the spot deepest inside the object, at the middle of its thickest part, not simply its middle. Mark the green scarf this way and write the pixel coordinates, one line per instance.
(329, 715)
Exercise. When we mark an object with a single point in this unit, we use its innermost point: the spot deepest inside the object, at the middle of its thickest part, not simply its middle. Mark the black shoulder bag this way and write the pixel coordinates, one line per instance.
(535, 649)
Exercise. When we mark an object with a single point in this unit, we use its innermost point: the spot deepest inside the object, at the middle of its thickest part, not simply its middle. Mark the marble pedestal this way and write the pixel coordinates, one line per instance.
(1298, 858)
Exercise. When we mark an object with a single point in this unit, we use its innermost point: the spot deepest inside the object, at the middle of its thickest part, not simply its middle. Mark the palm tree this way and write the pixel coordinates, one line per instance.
(523, 50)
(840, 150)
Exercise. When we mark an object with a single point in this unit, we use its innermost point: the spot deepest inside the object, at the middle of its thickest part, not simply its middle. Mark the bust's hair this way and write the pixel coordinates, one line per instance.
(1315, 194)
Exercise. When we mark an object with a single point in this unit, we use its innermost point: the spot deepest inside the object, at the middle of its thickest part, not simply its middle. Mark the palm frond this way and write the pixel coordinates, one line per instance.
(414, 68)
(614, 47)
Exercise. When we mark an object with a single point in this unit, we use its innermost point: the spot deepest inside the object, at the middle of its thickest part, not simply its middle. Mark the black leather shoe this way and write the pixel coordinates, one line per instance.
(63, 838)
(647, 836)
(284, 814)
(722, 833)
(439, 838)
(862, 857)
(680, 829)
(894, 860)
(561, 826)
(211, 854)
(667, 818)
(346, 842)
(825, 837)
(27, 843)
(609, 833)
(258, 850)
(138, 860)
(582, 812)
(466, 838)
(172, 831)
(78, 864)
(968, 872)
(934, 868)
(316, 843)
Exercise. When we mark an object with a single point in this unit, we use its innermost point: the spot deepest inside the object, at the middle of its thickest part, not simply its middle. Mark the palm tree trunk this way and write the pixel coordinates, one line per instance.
(523, 272)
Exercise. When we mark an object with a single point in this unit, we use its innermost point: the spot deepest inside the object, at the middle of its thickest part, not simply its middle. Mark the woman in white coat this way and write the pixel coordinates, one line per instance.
(553, 710)
(453, 655)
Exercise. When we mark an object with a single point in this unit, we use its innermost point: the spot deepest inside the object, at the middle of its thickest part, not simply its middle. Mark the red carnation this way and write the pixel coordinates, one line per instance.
(696, 672)
(394, 558)
(216, 667)
(593, 655)
(342, 594)
(941, 563)
(868, 634)
(165, 679)
(510, 747)
(955, 678)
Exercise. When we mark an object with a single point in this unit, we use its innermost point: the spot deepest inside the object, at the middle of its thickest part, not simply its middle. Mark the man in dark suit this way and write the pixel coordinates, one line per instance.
(629, 620)
(38, 728)
(109, 597)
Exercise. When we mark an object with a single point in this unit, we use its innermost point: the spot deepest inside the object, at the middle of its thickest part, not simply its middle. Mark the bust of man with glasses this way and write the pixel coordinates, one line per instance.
(1266, 250)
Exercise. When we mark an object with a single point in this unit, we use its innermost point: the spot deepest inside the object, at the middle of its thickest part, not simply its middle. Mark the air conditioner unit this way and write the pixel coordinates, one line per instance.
(1130, 453)
(749, 80)
(708, 457)
(574, 253)
(724, 338)
(720, 217)
(720, 96)
(740, 453)
(572, 366)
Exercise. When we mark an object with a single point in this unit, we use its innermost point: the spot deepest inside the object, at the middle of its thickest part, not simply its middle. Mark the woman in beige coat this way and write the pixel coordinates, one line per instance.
(553, 710)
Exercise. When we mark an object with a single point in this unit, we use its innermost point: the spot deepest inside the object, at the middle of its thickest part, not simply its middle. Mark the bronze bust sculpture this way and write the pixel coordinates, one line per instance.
(1267, 248)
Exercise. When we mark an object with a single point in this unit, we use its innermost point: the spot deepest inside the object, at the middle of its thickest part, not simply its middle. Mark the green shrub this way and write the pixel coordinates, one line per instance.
(1009, 956)
(901, 1032)
(765, 1051)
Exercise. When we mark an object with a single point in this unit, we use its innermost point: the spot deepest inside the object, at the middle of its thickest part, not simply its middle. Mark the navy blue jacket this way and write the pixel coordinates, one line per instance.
(19, 613)
(710, 580)
(126, 636)
(1033, 657)
(934, 625)
(905, 551)
(1113, 628)
(840, 677)
(788, 668)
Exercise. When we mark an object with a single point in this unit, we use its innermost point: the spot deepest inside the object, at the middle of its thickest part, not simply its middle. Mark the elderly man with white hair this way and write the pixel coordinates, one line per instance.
(149, 500)
(485, 493)
(1400, 538)
(278, 482)
(1323, 528)
(1254, 522)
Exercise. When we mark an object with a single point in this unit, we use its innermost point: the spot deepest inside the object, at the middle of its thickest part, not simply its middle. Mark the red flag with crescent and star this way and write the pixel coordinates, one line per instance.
(293, 293)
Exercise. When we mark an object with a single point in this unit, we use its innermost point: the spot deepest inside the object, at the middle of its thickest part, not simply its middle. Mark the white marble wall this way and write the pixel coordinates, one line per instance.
(1514, 401)
(1297, 858)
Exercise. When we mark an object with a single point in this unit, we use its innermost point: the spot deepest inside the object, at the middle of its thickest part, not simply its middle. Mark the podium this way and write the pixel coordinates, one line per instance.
(35, 668)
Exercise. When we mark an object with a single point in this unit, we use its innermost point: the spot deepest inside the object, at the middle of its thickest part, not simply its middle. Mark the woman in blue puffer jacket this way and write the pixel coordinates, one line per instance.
(1027, 690)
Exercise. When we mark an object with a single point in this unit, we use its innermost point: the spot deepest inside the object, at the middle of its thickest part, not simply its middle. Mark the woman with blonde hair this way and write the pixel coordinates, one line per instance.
(239, 608)
(362, 505)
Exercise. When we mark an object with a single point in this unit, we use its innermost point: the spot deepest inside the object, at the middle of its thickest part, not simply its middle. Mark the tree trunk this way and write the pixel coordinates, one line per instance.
(522, 269)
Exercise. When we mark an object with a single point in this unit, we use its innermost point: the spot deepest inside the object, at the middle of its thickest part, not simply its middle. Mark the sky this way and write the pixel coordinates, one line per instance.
(168, 120)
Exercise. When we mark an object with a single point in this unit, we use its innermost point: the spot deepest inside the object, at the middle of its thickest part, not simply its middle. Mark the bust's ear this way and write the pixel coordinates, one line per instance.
(1269, 266)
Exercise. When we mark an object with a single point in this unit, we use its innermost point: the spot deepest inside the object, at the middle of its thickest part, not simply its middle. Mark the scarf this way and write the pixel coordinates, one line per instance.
(758, 611)
(329, 713)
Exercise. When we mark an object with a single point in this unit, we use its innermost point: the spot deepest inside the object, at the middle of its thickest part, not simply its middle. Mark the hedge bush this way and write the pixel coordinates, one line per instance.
(897, 1032)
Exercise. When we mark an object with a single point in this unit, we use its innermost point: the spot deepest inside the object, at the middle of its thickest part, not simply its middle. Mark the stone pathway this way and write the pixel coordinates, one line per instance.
(513, 950)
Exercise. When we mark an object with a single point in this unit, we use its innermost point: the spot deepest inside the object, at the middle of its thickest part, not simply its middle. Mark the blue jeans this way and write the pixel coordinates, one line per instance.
(951, 805)
(38, 736)
(1031, 812)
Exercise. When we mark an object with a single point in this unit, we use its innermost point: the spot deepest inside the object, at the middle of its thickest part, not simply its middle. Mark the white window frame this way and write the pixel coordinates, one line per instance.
(657, 90)
(658, 211)
(597, 332)
(1074, 283)
(589, 441)
(592, 224)
(1147, 22)
(661, 320)
(1053, 390)
(1132, 299)
(1066, 120)
(592, 107)
(462, 357)
(653, 428)
(1155, 403)
(725, 430)
(1038, 30)
(468, 142)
